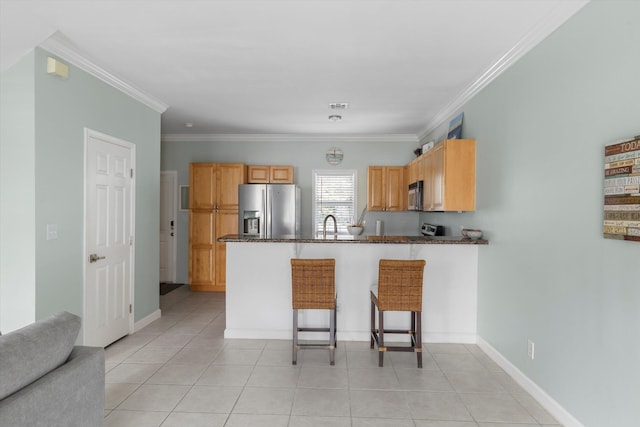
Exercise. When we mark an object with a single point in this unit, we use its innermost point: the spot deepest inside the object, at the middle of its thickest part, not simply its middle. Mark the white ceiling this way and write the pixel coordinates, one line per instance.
(272, 67)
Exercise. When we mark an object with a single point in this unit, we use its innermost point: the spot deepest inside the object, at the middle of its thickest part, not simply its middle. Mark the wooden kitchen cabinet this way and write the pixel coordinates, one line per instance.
(226, 222)
(202, 186)
(450, 176)
(229, 176)
(386, 189)
(213, 213)
(201, 248)
(258, 174)
(412, 171)
(281, 174)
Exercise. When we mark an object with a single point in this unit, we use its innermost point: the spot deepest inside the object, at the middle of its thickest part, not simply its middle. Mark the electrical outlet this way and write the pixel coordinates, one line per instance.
(531, 349)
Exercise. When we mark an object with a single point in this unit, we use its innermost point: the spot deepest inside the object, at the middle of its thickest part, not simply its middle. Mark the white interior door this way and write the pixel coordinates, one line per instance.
(168, 211)
(109, 207)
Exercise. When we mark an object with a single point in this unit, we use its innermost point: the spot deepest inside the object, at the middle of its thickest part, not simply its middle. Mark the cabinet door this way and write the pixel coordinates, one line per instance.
(226, 223)
(201, 247)
(258, 174)
(437, 180)
(421, 168)
(396, 197)
(376, 191)
(229, 176)
(281, 174)
(412, 171)
(427, 175)
(202, 186)
(459, 175)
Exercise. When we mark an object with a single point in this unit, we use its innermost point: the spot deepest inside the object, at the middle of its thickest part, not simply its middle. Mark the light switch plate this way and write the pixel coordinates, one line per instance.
(52, 231)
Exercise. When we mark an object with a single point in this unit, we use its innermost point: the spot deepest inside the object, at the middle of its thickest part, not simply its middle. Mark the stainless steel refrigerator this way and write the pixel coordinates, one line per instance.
(268, 210)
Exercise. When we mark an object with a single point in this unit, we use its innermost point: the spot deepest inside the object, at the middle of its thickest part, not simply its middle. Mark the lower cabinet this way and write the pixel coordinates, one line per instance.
(226, 222)
(201, 249)
(207, 256)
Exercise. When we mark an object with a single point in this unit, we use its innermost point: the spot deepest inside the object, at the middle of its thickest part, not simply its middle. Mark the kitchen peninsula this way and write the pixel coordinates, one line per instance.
(258, 292)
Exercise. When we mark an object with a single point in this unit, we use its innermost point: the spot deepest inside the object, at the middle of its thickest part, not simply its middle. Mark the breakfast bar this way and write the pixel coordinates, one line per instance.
(258, 296)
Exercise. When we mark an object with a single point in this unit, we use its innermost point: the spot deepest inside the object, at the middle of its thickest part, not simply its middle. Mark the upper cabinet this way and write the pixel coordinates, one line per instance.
(229, 176)
(386, 189)
(415, 170)
(215, 185)
(270, 174)
(202, 186)
(450, 176)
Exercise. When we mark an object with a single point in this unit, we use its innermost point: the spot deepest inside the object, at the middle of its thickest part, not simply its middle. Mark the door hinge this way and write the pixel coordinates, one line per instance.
(130, 309)
(132, 173)
(130, 240)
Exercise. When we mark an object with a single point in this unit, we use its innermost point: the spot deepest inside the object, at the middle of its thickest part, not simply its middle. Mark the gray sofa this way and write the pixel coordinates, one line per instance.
(47, 381)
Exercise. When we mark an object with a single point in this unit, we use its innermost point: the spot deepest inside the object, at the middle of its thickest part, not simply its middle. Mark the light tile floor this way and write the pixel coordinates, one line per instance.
(180, 371)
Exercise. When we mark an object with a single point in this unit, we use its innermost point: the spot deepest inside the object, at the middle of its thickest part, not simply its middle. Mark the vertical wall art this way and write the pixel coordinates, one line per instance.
(622, 190)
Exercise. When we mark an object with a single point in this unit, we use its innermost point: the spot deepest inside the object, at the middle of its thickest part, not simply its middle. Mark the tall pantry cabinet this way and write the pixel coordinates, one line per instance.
(213, 212)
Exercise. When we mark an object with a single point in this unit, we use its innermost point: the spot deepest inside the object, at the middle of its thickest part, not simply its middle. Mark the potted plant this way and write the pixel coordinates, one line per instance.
(356, 229)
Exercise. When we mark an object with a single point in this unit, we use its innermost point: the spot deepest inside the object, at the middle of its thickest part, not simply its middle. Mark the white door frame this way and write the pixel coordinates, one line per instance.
(174, 212)
(88, 133)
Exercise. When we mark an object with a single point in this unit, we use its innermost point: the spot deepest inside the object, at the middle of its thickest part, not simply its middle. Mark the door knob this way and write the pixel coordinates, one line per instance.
(95, 257)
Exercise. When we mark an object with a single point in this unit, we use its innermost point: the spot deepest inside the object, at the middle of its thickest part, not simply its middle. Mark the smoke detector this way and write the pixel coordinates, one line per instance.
(338, 105)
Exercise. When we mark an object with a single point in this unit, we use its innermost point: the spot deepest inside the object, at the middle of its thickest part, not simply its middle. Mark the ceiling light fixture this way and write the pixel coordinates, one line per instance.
(335, 117)
(188, 125)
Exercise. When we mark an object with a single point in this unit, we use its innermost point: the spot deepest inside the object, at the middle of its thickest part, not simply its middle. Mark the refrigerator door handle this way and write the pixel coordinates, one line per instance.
(266, 203)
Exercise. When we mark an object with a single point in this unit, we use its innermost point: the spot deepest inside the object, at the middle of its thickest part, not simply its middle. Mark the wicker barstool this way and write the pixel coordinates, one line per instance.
(399, 289)
(313, 287)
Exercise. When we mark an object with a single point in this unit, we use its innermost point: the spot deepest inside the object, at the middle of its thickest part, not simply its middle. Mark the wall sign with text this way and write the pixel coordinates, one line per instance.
(622, 190)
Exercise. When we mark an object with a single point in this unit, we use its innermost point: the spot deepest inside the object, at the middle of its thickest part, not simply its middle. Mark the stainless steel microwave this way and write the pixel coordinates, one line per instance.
(415, 196)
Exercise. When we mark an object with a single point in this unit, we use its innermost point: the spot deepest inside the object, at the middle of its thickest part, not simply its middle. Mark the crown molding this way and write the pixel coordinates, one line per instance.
(218, 137)
(559, 15)
(63, 49)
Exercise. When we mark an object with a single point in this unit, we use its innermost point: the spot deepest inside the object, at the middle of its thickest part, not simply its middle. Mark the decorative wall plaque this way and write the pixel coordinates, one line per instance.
(622, 190)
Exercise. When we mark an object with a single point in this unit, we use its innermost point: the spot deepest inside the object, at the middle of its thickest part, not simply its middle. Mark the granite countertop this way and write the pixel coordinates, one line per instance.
(421, 240)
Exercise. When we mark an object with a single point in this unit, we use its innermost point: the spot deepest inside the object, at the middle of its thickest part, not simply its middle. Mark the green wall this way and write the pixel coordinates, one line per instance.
(63, 109)
(305, 156)
(17, 196)
(548, 275)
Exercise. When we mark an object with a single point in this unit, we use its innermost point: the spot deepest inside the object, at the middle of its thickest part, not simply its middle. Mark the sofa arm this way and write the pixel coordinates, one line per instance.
(71, 395)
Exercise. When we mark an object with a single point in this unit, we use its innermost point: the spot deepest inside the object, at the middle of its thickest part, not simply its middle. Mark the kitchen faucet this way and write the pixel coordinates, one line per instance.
(324, 227)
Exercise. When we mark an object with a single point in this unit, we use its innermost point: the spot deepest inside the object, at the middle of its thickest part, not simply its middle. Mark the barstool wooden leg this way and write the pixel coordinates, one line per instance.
(381, 348)
(418, 332)
(294, 359)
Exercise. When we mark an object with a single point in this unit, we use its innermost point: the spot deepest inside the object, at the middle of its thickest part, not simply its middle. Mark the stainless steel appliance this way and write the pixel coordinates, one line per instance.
(415, 196)
(268, 210)
(431, 230)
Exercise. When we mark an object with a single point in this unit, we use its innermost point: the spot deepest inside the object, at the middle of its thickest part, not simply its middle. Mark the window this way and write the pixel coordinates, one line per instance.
(334, 193)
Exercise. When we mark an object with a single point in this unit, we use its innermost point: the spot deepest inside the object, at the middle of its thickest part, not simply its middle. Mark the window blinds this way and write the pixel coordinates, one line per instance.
(334, 193)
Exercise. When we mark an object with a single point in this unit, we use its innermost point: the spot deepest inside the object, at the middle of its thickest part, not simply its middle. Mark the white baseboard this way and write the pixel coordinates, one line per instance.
(546, 401)
(147, 320)
(462, 338)
(449, 337)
